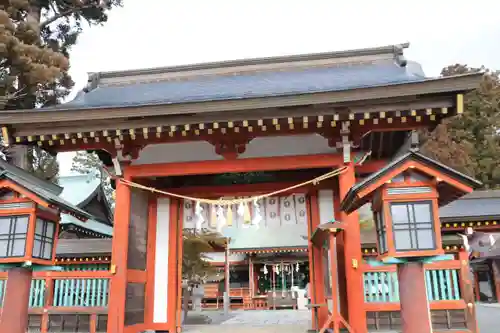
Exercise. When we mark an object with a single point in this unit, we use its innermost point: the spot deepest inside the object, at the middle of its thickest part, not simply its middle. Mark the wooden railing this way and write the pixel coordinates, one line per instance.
(78, 286)
(448, 298)
(381, 284)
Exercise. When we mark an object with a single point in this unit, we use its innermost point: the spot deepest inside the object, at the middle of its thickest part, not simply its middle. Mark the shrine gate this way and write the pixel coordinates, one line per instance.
(172, 133)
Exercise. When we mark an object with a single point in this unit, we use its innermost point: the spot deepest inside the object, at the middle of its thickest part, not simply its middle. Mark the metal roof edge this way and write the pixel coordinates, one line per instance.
(396, 49)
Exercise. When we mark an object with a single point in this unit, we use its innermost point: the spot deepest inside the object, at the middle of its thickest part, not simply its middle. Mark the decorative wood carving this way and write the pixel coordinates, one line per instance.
(231, 148)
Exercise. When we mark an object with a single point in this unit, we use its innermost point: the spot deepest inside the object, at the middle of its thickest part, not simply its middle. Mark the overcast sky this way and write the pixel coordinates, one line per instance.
(151, 33)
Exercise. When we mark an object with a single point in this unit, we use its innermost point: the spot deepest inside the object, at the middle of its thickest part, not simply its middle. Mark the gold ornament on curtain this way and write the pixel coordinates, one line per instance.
(229, 216)
(247, 218)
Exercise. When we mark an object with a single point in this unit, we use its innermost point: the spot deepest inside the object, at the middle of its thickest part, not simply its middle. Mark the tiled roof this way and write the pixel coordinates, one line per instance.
(39, 187)
(249, 85)
(83, 246)
(90, 224)
(77, 189)
(29, 177)
(478, 204)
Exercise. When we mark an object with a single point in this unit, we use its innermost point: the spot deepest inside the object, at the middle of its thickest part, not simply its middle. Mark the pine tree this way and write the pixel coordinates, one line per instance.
(470, 142)
(35, 40)
(89, 163)
(195, 267)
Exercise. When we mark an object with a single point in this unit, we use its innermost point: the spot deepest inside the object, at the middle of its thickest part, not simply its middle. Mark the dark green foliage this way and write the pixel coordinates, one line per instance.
(42, 164)
(35, 39)
(470, 142)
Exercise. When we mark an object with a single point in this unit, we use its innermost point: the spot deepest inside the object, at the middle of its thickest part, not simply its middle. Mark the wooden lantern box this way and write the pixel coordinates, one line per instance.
(30, 211)
(405, 197)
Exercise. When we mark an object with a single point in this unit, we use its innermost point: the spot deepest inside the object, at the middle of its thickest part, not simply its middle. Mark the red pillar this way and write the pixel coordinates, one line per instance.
(14, 317)
(495, 265)
(415, 314)
(116, 307)
(352, 258)
(467, 291)
(335, 291)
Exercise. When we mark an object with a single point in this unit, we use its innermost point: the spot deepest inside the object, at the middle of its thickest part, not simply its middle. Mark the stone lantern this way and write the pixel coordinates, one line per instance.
(405, 197)
(30, 211)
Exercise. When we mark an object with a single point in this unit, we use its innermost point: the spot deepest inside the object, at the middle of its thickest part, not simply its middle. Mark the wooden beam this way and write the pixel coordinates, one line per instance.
(242, 165)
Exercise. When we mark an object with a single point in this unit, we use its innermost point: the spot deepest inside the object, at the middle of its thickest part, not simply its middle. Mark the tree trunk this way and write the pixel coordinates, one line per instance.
(187, 292)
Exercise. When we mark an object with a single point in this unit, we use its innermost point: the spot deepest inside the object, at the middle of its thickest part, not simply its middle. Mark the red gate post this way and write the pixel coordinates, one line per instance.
(14, 317)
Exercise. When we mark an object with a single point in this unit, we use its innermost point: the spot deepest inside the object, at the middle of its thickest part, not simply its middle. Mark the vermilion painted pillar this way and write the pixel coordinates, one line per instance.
(495, 265)
(316, 275)
(467, 291)
(415, 314)
(14, 316)
(116, 307)
(341, 263)
(352, 258)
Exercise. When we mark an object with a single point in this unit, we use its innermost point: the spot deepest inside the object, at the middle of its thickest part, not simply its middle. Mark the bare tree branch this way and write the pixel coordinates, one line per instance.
(62, 14)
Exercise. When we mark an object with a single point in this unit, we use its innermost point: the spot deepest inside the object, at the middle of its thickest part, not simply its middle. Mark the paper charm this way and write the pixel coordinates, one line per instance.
(229, 216)
(221, 219)
(241, 209)
(265, 270)
(257, 217)
(199, 215)
(297, 267)
(213, 216)
(247, 218)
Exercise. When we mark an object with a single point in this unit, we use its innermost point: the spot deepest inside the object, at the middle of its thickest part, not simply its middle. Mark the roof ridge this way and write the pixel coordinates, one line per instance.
(395, 49)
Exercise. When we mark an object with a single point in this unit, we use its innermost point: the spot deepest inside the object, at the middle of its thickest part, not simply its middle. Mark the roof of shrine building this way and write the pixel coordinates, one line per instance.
(80, 195)
(43, 189)
(255, 78)
(252, 78)
(87, 192)
(478, 205)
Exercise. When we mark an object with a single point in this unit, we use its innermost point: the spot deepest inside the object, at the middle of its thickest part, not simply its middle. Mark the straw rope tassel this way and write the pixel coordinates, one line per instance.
(229, 216)
(230, 202)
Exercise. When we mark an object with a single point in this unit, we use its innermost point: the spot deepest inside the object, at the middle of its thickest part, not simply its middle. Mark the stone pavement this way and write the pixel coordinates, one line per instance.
(296, 321)
(256, 321)
(488, 317)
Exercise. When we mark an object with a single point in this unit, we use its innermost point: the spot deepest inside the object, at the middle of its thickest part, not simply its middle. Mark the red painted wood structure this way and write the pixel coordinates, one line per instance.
(405, 197)
(29, 221)
(181, 129)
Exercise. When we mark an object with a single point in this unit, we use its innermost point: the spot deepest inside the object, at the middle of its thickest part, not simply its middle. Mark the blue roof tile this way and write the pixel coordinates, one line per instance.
(78, 188)
(250, 85)
(478, 204)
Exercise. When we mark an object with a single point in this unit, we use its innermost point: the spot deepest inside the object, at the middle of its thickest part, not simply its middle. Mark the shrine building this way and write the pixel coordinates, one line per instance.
(263, 151)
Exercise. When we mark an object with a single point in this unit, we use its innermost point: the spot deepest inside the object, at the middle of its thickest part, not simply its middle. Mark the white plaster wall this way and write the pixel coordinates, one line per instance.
(160, 302)
(308, 144)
